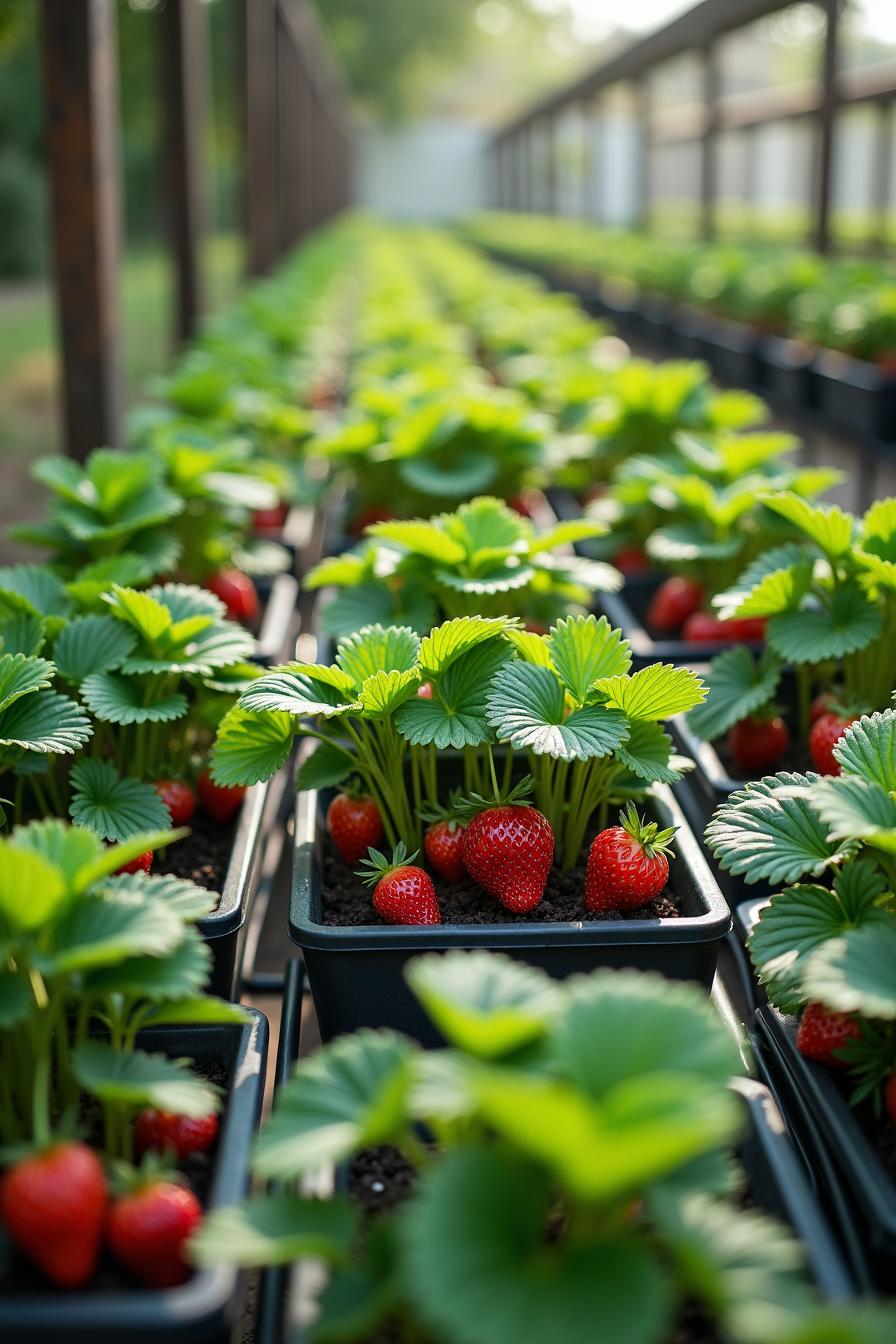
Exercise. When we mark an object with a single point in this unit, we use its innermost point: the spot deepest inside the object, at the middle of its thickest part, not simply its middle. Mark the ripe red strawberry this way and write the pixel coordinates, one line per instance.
(162, 1131)
(508, 849)
(443, 845)
(673, 602)
(270, 520)
(627, 864)
(632, 560)
(750, 629)
(824, 735)
(148, 1227)
(822, 1032)
(757, 742)
(142, 864)
(890, 1097)
(403, 893)
(702, 628)
(220, 801)
(354, 825)
(823, 703)
(237, 591)
(424, 691)
(54, 1205)
(179, 799)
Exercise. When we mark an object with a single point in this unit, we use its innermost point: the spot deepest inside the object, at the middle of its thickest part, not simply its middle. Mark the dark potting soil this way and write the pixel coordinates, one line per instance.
(347, 901)
(20, 1278)
(381, 1178)
(795, 759)
(203, 855)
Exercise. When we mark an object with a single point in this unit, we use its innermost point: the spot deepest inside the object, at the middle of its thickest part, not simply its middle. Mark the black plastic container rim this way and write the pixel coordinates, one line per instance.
(872, 1185)
(709, 927)
(706, 757)
(231, 911)
(196, 1309)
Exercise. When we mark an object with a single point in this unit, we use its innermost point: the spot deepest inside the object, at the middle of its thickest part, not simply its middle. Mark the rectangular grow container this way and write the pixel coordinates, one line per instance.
(791, 384)
(356, 973)
(856, 396)
(627, 611)
(689, 327)
(223, 928)
(825, 1123)
(775, 1182)
(733, 349)
(203, 1310)
(656, 319)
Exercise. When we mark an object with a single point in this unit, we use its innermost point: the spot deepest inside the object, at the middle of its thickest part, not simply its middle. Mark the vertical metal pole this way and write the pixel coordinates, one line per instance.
(645, 138)
(751, 175)
(551, 140)
(586, 113)
(709, 143)
(185, 88)
(826, 127)
(81, 92)
(261, 204)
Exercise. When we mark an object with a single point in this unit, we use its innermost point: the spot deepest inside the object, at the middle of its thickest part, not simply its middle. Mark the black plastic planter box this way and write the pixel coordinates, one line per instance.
(222, 929)
(791, 384)
(281, 594)
(356, 973)
(656, 319)
(627, 610)
(825, 1123)
(690, 328)
(732, 349)
(856, 396)
(204, 1309)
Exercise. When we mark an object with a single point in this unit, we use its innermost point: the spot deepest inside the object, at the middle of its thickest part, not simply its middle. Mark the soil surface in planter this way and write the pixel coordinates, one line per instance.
(381, 1178)
(20, 1278)
(347, 901)
(796, 759)
(203, 855)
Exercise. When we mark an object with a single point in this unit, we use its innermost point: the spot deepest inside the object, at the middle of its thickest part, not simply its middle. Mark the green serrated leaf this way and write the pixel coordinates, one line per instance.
(584, 649)
(377, 648)
(440, 648)
(868, 749)
(104, 929)
(856, 809)
(301, 689)
(384, 692)
(826, 524)
(854, 973)
(138, 1079)
(850, 623)
(250, 747)
(32, 888)
(46, 722)
(419, 537)
(770, 831)
(276, 1230)
(114, 698)
(648, 753)
(91, 644)
(737, 684)
(326, 767)
(113, 807)
(655, 692)
(526, 707)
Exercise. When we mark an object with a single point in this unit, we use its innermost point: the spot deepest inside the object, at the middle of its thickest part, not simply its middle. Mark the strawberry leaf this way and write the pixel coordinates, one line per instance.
(487, 1006)
(854, 973)
(856, 809)
(303, 690)
(656, 692)
(38, 589)
(21, 675)
(180, 973)
(456, 715)
(113, 698)
(829, 526)
(25, 632)
(277, 1230)
(777, 581)
(737, 684)
(91, 644)
(188, 901)
(324, 768)
(46, 722)
(340, 1100)
(686, 543)
(25, 870)
(850, 622)
(251, 746)
(648, 753)
(114, 808)
(868, 749)
(583, 649)
(527, 707)
(382, 694)
(69, 849)
(137, 1079)
(419, 537)
(440, 648)
(566, 534)
(770, 830)
(409, 605)
(377, 648)
(102, 930)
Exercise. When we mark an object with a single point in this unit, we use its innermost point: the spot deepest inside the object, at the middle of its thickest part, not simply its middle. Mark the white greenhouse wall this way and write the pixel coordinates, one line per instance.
(430, 170)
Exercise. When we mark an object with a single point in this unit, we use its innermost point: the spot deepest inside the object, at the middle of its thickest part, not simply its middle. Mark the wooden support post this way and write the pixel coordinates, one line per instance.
(79, 69)
(184, 73)
(709, 143)
(261, 198)
(824, 161)
(292, 91)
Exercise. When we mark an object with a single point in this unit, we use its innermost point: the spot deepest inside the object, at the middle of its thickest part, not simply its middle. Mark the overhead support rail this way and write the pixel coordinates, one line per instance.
(532, 134)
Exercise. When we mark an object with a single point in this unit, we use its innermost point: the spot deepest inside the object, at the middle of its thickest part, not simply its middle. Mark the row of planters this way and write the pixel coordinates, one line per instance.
(128, 1093)
(484, 764)
(817, 336)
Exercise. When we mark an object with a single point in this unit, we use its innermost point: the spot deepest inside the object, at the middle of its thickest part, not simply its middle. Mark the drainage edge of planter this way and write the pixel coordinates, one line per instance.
(355, 972)
(203, 1309)
(871, 1185)
(222, 928)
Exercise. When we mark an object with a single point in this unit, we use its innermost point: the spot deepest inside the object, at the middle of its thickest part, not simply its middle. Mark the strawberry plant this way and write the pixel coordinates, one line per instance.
(829, 603)
(592, 733)
(507, 1227)
(484, 559)
(828, 938)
